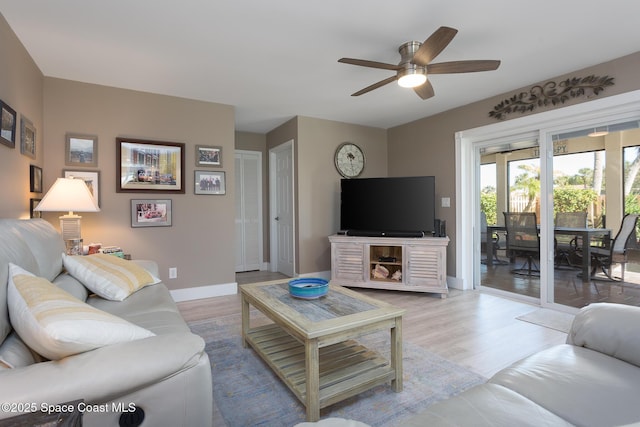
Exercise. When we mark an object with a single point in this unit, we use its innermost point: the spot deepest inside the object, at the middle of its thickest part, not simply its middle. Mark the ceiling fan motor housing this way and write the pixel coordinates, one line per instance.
(407, 51)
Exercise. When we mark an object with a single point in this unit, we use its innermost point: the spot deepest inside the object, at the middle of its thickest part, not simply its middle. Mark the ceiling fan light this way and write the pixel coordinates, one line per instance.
(412, 80)
(599, 131)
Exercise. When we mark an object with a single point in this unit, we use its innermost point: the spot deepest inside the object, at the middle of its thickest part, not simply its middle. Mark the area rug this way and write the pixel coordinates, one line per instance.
(247, 393)
(552, 319)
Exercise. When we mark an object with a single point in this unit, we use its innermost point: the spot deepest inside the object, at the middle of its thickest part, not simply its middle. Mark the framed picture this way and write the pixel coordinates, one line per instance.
(7, 125)
(150, 213)
(81, 150)
(208, 182)
(28, 137)
(91, 178)
(208, 156)
(149, 166)
(33, 203)
(35, 179)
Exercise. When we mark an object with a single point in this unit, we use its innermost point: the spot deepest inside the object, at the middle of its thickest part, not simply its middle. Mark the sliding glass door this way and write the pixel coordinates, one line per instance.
(577, 196)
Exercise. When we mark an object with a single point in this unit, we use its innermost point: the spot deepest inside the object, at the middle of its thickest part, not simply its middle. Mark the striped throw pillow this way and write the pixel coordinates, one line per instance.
(55, 324)
(108, 276)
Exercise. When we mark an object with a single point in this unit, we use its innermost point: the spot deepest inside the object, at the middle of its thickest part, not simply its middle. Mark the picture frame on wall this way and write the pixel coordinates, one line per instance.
(81, 150)
(35, 179)
(91, 178)
(151, 213)
(33, 203)
(208, 156)
(7, 125)
(210, 182)
(27, 137)
(149, 166)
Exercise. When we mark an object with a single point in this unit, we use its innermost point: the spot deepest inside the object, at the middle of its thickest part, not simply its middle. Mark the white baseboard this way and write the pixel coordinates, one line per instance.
(201, 292)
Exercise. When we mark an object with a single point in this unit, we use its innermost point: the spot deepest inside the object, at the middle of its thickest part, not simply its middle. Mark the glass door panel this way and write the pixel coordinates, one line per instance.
(509, 183)
(594, 177)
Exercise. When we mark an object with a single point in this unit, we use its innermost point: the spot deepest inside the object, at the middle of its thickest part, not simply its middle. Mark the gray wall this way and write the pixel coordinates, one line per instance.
(200, 241)
(21, 88)
(427, 146)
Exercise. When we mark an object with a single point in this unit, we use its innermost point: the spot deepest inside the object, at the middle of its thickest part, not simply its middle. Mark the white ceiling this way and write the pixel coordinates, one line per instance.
(275, 59)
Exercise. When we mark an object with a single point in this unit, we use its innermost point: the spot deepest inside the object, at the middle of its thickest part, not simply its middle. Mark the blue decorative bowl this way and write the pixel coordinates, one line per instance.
(308, 287)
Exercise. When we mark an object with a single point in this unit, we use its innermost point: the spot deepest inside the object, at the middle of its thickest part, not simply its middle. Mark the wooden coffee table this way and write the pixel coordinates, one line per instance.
(311, 345)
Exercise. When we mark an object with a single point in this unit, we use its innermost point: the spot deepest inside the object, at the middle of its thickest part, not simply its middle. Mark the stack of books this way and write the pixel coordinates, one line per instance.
(112, 250)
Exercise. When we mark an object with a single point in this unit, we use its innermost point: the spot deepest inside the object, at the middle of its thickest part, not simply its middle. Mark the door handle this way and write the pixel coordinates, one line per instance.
(277, 218)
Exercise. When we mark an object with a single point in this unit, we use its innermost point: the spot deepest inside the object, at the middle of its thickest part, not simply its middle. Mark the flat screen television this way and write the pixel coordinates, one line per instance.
(395, 206)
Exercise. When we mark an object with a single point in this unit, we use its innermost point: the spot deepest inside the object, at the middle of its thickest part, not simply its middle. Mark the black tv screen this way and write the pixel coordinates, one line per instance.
(388, 205)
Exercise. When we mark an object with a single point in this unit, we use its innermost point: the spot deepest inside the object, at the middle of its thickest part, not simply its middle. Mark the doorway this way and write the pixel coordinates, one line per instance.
(248, 178)
(544, 127)
(282, 209)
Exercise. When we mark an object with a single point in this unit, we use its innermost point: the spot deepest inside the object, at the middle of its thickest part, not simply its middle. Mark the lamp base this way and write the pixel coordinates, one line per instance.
(70, 226)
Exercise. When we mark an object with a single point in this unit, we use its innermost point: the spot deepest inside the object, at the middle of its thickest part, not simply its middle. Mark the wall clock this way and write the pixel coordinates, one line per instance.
(349, 160)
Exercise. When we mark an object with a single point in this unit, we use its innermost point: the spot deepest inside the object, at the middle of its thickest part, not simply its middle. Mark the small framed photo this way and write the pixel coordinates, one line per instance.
(91, 178)
(35, 179)
(149, 166)
(81, 150)
(208, 156)
(28, 137)
(33, 203)
(7, 125)
(150, 213)
(208, 182)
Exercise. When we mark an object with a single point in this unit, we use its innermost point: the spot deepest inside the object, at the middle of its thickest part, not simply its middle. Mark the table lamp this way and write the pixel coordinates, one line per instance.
(68, 194)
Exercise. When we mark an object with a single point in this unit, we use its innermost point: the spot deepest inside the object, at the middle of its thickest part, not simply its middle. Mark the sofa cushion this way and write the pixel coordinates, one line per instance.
(12, 250)
(582, 386)
(55, 324)
(486, 405)
(14, 353)
(151, 308)
(609, 328)
(70, 284)
(110, 277)
(45, 243)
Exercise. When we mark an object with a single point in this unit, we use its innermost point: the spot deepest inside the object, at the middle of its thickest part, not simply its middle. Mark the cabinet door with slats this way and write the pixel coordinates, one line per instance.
(348, 262)
(424, 266)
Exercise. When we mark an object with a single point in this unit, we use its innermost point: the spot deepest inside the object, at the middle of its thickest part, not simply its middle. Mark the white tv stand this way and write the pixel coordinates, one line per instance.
(417, 264)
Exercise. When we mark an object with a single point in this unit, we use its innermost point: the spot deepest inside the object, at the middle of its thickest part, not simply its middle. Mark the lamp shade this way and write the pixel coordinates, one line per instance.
(68, 194)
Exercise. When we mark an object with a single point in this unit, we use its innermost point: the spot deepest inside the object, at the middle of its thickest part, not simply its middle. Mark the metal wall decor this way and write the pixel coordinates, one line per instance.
(551, 93)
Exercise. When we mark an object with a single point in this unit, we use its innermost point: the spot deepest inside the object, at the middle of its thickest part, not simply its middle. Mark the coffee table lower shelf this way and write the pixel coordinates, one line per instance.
(346, 368)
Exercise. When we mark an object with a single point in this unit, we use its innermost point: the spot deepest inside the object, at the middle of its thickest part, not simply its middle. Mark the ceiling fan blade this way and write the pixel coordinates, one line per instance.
(371, 64)
(434, 45)
(462, 66)
(425, 90)
(375, 86)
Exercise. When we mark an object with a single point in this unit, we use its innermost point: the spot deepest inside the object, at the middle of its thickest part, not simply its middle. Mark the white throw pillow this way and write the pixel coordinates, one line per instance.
(108, 276)
(55, 324)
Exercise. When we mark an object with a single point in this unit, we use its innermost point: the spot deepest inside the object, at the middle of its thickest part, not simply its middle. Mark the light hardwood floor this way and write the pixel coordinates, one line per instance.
(476, 330)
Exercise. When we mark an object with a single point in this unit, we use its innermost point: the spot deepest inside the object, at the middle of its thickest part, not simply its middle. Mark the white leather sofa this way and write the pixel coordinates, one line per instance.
(592, 380)
(167, 375)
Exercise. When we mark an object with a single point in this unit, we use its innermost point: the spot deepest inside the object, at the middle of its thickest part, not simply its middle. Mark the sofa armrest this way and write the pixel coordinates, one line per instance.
(150, 266)
(103, 374)
(612, 329)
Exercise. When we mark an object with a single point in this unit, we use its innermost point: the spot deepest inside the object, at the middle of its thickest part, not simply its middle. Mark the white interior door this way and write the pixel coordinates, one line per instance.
(282, 209)
(248, 174)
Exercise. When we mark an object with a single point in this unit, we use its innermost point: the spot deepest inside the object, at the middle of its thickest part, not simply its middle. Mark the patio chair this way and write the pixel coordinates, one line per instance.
(616, 252)
(523, 240)
(565, 244)
(485, 239)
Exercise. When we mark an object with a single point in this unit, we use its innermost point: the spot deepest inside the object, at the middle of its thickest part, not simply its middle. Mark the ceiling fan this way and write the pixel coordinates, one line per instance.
(415, 64)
